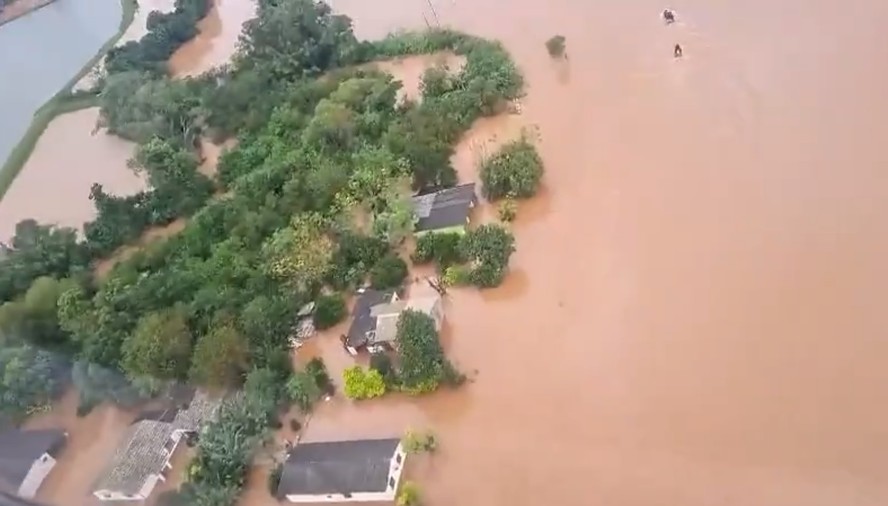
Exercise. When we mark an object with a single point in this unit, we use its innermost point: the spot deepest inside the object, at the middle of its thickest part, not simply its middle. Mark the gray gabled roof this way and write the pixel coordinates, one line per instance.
(337, 467)
(445, 208)
(143, 450)
(20, 448)
(362, 319)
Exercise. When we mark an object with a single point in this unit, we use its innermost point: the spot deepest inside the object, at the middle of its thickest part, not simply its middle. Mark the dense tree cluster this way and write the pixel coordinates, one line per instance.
(313, 201)
(166, 32)
(515, 171)
(423, 366)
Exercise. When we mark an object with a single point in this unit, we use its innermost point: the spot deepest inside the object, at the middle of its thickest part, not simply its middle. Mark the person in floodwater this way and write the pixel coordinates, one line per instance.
(668, 16)
(677, 51)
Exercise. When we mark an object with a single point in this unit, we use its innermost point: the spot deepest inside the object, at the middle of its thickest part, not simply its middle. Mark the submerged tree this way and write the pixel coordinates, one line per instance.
(556, 46)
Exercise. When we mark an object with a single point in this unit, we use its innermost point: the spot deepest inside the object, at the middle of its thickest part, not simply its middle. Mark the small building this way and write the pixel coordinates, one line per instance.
(27, 457)
(375, 318)
(387, 315)
(143, 457)
(342, 471)
(362, 331)
(445, 210)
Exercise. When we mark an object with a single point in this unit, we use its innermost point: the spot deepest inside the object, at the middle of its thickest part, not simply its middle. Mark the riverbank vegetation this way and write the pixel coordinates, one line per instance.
(321, 142)
(62, 102)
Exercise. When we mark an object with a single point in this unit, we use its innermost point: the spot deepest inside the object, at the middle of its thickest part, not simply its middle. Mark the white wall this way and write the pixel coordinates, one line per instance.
(38, 472)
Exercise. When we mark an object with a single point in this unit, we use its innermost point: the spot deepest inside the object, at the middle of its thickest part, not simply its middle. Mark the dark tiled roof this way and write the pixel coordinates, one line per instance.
(362, 320)
(446, 208)
(142, 451)
(338, 467)
(20, 448)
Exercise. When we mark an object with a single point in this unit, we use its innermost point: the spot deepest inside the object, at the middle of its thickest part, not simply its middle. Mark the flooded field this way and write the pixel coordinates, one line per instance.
(692, 313)
(53, 186)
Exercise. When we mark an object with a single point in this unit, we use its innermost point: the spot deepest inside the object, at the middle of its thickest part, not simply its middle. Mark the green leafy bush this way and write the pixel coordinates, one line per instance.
(488, 248)
(516, 170)
(441, 248)
(329, 310)
(507, 209)
(388, 273)
(363, 384)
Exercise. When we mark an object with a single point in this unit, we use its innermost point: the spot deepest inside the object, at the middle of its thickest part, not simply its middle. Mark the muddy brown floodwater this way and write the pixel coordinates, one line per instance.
(694, 311)
(692, 315)
(217, 40)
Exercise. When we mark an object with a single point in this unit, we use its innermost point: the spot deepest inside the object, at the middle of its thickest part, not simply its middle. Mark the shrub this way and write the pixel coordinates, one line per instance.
(295, 425)
(382, 363)
(303, 390)
(409, 495)
(515, 170)
(442, 248)
(388, 273)
(318, 371)
(423, 365)
(555, 46)
(417, 442)
(489, 248)
(329, 310)
(457, 275)
(508, 209)
(361, 384)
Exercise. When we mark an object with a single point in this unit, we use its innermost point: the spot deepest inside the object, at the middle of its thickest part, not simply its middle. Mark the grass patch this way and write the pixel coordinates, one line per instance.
(60, 103)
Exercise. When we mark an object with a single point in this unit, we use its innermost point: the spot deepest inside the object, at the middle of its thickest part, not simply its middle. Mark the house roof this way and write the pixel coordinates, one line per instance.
(445, 208)
(338, 467)
(142, 451)
(20, 448)
(362, 320)
(387, 315)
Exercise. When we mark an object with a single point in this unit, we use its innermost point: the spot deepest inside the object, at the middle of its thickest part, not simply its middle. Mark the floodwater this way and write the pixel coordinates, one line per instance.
(92, 441)
(70, 156)
(135, 31)
(217, 40)
(54, 184)
(693, 314)
(40, 65)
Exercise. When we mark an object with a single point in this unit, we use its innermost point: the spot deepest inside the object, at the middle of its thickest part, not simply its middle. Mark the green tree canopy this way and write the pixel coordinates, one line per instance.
(516, 170)
(220, 358)
(159, 348)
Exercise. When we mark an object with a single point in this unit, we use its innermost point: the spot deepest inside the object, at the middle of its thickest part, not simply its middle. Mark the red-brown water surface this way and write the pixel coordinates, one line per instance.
(693, 316)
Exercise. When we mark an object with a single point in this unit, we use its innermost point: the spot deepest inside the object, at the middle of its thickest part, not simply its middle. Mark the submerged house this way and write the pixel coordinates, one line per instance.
(143, 457)
(27, 457)
(445, 210)
(375, 318)
(342, 471)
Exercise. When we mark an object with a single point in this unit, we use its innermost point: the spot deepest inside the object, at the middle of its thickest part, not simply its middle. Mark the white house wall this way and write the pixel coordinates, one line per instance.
(38, 472)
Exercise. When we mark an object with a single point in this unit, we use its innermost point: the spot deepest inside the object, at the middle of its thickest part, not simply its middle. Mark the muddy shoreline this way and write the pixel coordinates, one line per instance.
(21, 8)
